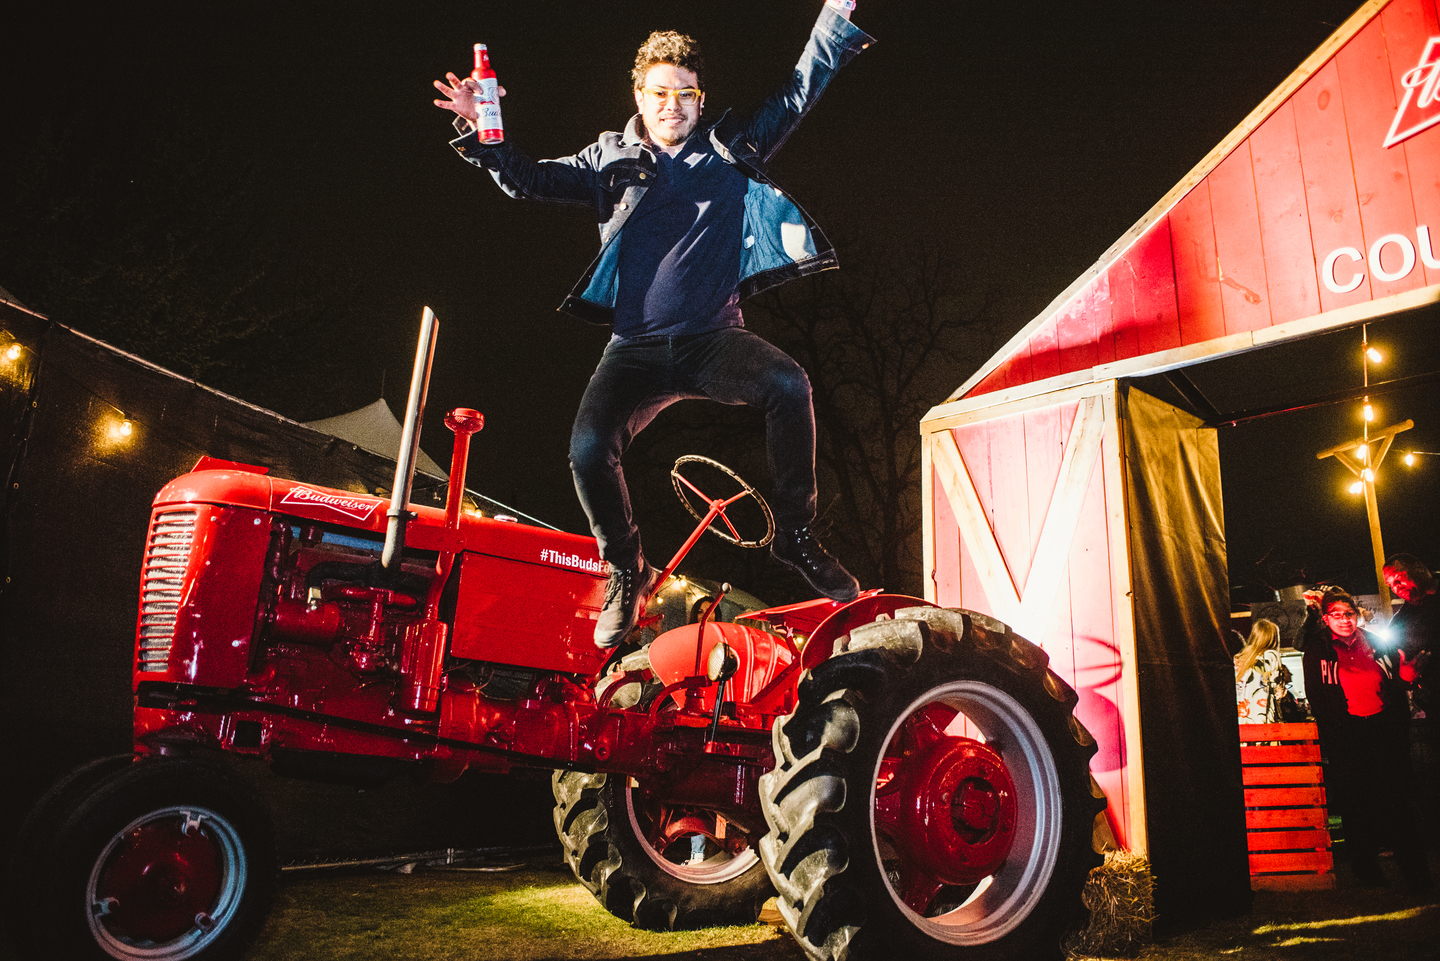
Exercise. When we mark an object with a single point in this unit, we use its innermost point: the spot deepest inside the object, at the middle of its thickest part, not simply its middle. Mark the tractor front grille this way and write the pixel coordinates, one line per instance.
(167, 555)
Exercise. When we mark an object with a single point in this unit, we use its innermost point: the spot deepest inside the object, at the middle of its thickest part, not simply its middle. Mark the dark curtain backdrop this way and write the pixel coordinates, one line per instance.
(1188, 726)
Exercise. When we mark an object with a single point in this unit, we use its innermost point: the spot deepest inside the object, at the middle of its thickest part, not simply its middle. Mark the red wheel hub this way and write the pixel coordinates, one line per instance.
(946, 804)
(160, 881)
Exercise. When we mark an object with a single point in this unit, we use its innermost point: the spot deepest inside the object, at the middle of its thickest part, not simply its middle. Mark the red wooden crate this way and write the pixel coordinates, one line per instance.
(1285, 817)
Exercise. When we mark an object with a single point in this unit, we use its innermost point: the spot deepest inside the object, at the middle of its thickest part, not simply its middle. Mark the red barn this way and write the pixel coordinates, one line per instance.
(1088, 515)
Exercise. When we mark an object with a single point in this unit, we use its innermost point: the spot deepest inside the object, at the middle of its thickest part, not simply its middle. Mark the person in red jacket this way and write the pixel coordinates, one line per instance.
(1363, 716)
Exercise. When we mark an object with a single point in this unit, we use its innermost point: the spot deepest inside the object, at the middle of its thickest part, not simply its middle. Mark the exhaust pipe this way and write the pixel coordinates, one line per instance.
(399, 513)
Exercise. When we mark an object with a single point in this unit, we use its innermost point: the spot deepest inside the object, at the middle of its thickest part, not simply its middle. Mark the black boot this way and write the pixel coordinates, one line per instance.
(627, 588)
(799, 549)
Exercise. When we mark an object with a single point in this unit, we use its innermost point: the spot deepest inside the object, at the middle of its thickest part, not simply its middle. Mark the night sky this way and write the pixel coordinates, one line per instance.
(1021, 138)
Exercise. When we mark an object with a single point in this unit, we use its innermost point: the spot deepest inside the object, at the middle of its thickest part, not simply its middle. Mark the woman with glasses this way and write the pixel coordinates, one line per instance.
(1363, 716)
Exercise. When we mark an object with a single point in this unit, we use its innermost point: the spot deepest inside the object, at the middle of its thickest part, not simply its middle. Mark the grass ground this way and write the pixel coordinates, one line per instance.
(539, 912)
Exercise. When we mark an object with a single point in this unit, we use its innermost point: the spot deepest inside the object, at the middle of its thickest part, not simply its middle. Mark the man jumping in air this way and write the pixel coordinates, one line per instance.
(690, 225)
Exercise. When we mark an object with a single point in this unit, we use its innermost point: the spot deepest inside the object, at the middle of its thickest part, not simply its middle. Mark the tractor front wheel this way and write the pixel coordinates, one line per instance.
(656, 865)
(164, 860)
(931, 797)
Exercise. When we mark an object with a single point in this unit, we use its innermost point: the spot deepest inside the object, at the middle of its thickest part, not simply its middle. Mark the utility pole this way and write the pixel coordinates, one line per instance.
(1363, 460)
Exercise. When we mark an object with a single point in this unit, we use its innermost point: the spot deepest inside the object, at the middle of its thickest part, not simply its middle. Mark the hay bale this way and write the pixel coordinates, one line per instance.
(1121, 897)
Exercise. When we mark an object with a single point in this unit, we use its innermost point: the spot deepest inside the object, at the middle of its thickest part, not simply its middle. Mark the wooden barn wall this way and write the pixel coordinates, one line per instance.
(1055, 535)
(1090, 520)
(1245, 248)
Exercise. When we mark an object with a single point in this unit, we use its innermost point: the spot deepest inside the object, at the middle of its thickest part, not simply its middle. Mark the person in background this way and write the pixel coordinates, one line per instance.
(1257, 667)
(1363, 716)
(1415, 628)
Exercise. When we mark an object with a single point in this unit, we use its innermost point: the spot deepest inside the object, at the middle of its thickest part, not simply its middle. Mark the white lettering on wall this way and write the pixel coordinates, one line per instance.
(1327, 271)
(1422, 251)
(1407, 255)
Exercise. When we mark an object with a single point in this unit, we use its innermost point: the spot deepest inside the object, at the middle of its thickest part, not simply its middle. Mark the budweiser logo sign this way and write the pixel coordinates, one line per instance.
(346, 505)
(1420, 109)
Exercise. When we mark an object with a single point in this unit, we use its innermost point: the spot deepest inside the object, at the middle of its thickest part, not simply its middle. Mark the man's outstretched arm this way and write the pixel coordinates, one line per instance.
(569, 180)
(833, 42)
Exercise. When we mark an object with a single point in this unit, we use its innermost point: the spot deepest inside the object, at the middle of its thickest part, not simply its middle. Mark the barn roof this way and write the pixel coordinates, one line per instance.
(1320, 210)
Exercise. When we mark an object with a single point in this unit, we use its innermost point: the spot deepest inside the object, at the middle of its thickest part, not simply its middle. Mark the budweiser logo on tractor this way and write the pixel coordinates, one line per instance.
(906, 780)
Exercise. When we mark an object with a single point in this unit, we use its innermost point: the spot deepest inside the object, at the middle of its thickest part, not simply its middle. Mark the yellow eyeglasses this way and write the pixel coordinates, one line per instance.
(685, 96)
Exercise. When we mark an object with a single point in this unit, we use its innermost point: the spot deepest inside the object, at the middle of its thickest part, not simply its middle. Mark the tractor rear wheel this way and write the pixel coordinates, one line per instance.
(653, 864)
(931, 797)
(163, 860)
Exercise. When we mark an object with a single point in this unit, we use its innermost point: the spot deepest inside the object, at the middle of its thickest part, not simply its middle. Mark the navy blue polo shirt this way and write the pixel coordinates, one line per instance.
(680, 249)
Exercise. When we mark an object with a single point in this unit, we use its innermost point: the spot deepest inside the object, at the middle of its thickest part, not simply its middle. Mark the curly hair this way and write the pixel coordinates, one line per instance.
(667, 46)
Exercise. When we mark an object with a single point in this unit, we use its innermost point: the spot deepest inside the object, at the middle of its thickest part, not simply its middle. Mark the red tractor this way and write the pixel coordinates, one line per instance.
(909, 781)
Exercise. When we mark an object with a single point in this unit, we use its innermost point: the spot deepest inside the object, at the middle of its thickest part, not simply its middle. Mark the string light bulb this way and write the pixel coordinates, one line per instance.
(1374, 355)
(1410, 459)
(12, 352)
(1356, 487)
(1368, 475)
(1369, 411)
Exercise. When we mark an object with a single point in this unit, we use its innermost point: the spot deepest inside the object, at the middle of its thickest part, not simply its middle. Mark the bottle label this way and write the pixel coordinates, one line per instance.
(487, 104)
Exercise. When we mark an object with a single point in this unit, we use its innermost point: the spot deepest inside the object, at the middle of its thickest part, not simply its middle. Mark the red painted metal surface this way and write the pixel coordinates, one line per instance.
(763, 656)
(947, 804)
(161, 876)
(865, 609)
(291, 644)
(557, 635)
(214, 615)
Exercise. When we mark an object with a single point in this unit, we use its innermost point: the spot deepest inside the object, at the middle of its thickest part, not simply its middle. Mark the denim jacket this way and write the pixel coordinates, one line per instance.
(780, 240)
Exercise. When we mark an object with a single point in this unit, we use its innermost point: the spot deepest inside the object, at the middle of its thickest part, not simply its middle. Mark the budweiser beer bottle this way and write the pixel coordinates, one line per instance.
(487, 102)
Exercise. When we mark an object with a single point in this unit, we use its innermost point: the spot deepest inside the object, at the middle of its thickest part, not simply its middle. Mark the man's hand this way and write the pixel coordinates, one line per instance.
(460, 96)
(1408, 671)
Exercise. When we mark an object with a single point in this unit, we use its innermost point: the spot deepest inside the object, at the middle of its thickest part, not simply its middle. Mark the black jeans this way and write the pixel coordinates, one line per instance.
(638, 378)
(1367, 781)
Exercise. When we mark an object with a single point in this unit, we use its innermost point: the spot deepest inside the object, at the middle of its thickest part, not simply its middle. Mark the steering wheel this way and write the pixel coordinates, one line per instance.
(715, 507)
